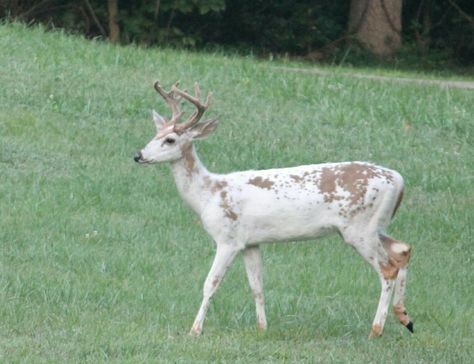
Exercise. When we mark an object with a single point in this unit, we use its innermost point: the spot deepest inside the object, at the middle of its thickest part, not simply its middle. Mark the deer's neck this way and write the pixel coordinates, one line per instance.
(190, 176)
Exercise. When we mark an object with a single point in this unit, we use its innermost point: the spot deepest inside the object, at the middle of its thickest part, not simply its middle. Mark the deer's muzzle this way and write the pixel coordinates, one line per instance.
(138, 157)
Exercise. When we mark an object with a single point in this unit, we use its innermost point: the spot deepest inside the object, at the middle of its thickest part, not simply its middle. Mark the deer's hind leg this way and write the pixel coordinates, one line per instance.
(253, 266)
(399, 253)
(387, 256)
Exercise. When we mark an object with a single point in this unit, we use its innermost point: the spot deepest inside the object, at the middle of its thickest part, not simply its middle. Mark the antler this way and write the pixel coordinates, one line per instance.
(195, 100)
(171, 100)
(174, 102)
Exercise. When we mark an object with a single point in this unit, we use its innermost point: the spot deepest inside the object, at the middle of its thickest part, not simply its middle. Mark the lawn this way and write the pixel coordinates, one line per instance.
(102, 262)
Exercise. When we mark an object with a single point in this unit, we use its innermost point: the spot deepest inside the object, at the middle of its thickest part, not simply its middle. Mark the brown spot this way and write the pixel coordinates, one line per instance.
(390, 270)
(214, 186)
(215, 282)
(376, 331)
(225, 204)
(398, 256)
(261, 183)
(218, 186)
(401, 314)
(296, 178)
(231, 214)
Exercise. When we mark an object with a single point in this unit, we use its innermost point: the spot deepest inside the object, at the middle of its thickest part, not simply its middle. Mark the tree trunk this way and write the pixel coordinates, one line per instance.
(114, 30)
(377, 24)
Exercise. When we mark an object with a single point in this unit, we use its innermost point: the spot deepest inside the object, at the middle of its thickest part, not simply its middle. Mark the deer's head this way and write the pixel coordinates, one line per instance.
(173, 136)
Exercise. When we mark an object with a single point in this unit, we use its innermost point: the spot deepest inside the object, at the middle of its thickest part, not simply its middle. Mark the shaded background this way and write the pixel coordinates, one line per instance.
(425, 34)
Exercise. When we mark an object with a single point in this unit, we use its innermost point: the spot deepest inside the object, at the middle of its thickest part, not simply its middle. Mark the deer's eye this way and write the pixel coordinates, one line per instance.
(169, 141)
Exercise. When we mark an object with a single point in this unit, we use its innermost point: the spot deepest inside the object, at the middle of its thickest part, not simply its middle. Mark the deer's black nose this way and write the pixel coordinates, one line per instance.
(137, 157)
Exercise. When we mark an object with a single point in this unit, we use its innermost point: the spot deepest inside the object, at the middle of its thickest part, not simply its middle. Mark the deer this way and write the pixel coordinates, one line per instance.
(242, 210)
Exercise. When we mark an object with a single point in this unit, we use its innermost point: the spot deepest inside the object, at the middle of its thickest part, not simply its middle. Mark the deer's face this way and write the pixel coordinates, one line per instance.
(166, 146)
(172, 136)
(169, 142)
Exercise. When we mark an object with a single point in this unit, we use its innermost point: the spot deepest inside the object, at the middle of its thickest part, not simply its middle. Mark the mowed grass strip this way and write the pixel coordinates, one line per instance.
(101, 261)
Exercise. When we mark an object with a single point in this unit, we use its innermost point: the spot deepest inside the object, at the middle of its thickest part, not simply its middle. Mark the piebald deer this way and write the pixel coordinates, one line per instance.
(241, 210)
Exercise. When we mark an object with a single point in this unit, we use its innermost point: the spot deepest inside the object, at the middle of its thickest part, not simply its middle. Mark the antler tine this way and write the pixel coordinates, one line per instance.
(197, 90)
(195, 100)
(171, 100)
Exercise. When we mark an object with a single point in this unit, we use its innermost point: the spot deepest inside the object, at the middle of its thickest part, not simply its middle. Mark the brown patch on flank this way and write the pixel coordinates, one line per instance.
(401, 314)
(353, 178)
(376, 331)
(215, 282)
(261, 183)
(327, 185)
(396, 259)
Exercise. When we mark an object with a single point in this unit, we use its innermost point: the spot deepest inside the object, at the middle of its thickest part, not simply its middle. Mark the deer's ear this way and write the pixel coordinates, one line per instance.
(158, 120)
(202, 130)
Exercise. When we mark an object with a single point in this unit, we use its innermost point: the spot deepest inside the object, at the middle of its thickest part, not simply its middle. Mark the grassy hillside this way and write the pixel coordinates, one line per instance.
(101, 261)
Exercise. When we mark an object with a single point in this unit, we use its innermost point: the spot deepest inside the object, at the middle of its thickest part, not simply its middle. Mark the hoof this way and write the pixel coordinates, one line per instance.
(195, 331)
(261, 326)
(409, 326)
(376, 331)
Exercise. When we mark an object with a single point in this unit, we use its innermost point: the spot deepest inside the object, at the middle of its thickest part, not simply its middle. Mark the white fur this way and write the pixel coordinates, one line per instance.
(244, 209)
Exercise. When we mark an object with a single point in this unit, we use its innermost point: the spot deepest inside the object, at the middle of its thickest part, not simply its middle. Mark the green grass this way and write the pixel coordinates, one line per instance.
(101, 261)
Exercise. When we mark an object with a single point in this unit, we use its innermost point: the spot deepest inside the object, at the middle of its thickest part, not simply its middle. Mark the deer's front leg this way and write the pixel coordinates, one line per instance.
(225, 254)
(253, 266)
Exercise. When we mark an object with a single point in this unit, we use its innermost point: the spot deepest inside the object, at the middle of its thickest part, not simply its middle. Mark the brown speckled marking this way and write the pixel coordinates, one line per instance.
(189, 159)
(214, 186)
(396, 260)
(225, 204)
(401, 314)
(327, 185)
(353, 178)
(296, 178)
(218, 186)
(231, 215)
(261, 183)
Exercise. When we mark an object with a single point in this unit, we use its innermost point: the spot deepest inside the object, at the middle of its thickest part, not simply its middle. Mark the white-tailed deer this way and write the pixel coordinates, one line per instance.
(241, 210)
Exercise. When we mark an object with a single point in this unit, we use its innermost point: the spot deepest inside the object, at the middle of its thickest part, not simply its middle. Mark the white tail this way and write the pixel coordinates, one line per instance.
(241, 210)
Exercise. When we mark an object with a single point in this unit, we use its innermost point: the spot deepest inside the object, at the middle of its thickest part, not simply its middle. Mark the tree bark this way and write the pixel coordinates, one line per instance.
(114, 29)
(377, 24)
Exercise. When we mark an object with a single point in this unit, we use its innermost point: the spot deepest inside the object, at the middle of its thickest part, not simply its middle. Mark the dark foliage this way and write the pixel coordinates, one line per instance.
(435, 31)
